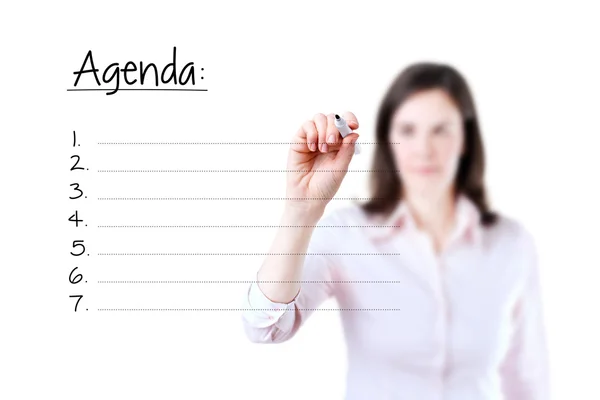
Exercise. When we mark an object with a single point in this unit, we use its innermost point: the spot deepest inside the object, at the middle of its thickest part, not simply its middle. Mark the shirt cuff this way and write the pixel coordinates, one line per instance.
(268, 311)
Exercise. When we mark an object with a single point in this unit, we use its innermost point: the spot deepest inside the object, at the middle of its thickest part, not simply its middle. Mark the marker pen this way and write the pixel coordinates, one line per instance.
(345, 130)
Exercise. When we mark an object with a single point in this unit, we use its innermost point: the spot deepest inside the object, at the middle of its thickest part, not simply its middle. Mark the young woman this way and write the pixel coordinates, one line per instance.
(439, 296)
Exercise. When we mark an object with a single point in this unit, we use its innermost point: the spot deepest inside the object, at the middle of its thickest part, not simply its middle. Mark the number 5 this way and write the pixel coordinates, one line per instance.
(77, 243)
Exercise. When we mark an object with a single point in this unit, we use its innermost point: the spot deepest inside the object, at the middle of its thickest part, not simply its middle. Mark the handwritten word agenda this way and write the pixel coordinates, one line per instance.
(131, 73)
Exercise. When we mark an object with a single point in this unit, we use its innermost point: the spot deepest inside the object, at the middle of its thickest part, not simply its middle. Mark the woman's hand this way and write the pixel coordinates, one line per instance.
(318, 145)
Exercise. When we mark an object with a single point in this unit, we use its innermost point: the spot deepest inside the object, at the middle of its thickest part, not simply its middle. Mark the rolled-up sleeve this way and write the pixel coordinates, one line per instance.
(266, 321)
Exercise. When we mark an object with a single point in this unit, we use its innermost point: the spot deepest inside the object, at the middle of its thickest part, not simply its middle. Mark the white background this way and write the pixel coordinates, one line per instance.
(268, 66)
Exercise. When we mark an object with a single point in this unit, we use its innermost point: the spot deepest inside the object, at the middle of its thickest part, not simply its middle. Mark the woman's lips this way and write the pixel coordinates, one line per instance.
(426, 170)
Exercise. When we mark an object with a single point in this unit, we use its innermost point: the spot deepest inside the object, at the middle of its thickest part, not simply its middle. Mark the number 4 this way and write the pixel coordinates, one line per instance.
(74, 218)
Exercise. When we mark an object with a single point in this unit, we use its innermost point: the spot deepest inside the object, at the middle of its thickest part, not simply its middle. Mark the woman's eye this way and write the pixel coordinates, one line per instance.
(440, 130)
(406, 131)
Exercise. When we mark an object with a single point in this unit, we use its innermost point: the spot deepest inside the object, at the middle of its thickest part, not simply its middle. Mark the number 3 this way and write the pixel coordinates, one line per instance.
(77, 189)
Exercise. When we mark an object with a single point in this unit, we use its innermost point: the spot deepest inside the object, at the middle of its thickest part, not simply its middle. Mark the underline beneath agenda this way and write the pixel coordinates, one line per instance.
(157, 89)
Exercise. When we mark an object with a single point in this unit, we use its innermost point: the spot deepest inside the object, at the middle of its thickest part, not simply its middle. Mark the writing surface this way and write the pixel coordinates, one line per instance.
(122, 211)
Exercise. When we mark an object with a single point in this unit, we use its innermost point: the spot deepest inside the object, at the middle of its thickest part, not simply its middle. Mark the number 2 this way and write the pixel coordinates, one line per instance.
(74, 167)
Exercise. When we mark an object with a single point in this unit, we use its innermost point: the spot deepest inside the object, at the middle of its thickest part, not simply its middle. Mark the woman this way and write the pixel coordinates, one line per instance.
(438, 295)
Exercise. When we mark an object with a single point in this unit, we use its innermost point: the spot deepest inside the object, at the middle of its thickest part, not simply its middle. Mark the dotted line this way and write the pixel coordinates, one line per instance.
(247, 309)
(245, 282)
(248, 254)
(248, 226)
(237, 198)
(220, 143)
(243, 170)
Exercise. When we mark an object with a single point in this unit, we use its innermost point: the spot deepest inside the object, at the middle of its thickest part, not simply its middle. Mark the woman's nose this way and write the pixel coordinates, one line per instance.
(424, 144)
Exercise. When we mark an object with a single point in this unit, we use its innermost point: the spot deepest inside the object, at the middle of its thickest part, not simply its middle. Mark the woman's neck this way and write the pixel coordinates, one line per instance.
(434, 215)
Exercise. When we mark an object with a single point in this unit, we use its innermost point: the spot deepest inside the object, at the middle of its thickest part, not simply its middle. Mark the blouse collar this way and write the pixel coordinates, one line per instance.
(401, 219)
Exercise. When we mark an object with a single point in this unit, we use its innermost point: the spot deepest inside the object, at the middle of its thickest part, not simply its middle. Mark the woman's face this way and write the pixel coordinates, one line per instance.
(427, 136)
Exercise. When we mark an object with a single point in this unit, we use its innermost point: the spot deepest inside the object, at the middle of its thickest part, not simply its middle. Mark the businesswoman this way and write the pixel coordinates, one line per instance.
(438, 295)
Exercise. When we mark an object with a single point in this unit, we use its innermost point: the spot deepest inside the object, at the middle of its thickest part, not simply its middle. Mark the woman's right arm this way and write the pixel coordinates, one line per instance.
(288, 267)
(277, 304)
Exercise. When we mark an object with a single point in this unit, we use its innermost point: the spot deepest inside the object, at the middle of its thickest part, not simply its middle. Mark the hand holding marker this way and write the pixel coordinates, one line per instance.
(345, 130)
(318, 161)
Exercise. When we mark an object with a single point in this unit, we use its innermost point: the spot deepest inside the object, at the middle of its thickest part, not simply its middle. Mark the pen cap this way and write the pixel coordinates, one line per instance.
(342, 126)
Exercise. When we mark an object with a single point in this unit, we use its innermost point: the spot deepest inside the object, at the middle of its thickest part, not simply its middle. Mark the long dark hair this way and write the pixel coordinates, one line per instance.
(386, 187)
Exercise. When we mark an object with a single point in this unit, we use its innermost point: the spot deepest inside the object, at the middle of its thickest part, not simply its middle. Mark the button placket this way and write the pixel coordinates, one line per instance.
(441, 297)
(436, 282)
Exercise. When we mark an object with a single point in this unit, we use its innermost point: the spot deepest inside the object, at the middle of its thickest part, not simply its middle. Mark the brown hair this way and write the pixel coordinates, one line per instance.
(385, 184)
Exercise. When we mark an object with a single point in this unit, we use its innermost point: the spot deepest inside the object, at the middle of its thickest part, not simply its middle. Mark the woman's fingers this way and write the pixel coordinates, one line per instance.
(321, 124)
(321, 135)
(333, 134)
(344, 155)
(351, 120)
(311, 151)
(310, 134)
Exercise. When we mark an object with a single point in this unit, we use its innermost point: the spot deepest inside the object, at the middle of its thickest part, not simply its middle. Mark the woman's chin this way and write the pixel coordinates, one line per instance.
(428, 187)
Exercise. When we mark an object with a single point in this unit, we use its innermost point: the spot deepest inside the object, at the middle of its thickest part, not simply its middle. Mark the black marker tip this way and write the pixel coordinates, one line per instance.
(337, 116)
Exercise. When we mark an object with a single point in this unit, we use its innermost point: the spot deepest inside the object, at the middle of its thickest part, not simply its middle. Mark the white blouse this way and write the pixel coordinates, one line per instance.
(462, 325)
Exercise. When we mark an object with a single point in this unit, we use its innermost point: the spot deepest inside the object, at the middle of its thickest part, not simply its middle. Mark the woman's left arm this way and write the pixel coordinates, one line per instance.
(524, 372)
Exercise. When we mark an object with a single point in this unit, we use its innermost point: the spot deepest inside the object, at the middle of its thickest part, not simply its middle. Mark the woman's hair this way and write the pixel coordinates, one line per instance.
(385, 184)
